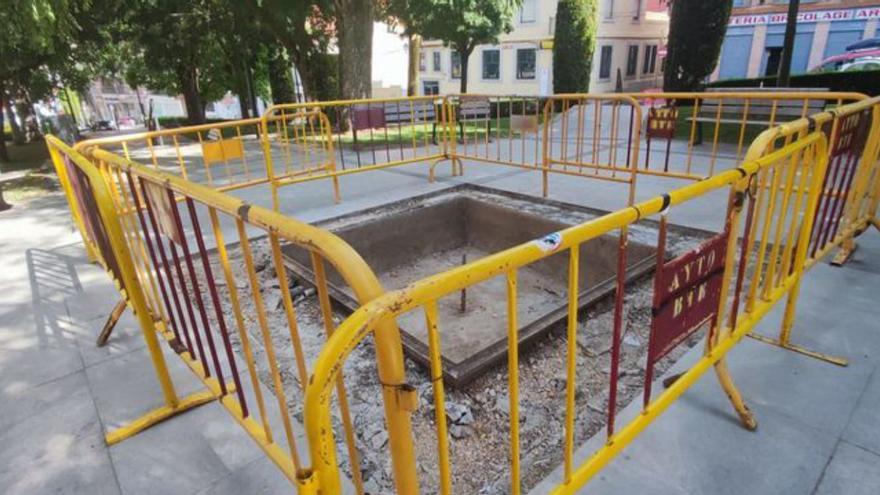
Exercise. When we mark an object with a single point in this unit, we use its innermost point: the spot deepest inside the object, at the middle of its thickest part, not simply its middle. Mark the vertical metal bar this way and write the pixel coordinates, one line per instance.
(341, 396)
(571, 357)
(655, 303)
(280, 396)
(239, 321)
(200, 303)
(215, 301)
(513, 380)
(152, 253)
(439, 397)
(616, 334)
(289, 311)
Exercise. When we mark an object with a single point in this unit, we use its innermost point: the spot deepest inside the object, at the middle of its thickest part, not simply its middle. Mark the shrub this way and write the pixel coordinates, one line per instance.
(867, 81)
(573, 45)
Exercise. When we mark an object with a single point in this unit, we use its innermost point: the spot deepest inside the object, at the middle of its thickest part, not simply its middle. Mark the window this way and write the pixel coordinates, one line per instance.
(637, 9)
(650, 61)
(632, 59)
(437, 61)
(525, 63)
(609, 9)
(528, 13)
(491, 64)
(605, 63)
(422, 67)
(740, 3)
(430, 88)
(455, 65)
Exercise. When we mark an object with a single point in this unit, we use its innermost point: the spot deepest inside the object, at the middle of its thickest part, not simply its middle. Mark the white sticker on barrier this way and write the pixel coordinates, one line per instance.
(550, 242)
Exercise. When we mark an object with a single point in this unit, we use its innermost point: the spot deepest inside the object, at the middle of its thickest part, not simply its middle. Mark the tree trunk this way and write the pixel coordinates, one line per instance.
(788, 44)
(464, 56)
(412, 71)
(4, 155)
(280, 79)
(355, 22)
(249, 71)
(189, 83)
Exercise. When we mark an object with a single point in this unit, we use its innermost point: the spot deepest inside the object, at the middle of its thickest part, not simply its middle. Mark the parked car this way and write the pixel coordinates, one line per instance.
(103, 125)
(865, 63)
(836, 62)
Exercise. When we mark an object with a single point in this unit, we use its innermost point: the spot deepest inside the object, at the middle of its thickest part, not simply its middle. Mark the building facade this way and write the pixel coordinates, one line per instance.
(630, 38)
(753, 43)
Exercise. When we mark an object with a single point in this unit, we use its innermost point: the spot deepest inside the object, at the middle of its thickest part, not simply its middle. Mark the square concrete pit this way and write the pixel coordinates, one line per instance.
(412, 239)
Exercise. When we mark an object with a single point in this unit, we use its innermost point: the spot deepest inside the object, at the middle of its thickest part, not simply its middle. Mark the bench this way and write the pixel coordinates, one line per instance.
(760, 110)
(383, 114)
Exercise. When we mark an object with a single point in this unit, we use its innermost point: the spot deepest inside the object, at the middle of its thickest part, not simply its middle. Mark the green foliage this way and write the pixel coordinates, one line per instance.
(866, 82)
(696, 32)
(460, 24)
(573, 45)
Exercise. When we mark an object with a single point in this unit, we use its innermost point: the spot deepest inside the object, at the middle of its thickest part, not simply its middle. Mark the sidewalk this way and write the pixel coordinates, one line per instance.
(59, 393)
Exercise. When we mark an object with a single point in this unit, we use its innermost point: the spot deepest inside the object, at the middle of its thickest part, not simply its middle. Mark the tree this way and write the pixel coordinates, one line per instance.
(573, 45)
(696, 32)
(459, 24)
(305, 28)
(34, 38)
(354, 33)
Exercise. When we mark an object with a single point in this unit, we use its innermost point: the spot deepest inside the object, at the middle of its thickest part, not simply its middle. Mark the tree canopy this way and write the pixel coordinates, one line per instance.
(573, 45)
(459, 24)
(696, 32)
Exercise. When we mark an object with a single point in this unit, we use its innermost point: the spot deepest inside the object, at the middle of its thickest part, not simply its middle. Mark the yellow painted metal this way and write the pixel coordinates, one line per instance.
(439, 397)
(766, 158)
(571, 359)
(132, 292)
(513, 381)
(158, 415)
(361, 323)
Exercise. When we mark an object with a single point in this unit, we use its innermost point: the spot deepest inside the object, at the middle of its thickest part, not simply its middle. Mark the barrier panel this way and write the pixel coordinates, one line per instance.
(692, 135)
(164, 240)
(847, 203)
(366, 135)
(705, 288)
(594, 136)
(224, 155)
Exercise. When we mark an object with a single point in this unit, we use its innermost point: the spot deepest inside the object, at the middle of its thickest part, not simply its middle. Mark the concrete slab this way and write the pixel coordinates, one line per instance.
(863, 430)
(58, 446)
(852, 470)
(185, 455)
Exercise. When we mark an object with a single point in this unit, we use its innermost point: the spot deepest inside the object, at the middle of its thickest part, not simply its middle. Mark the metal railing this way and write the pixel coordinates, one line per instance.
(165, 241)
(723, 273)
(803, 188)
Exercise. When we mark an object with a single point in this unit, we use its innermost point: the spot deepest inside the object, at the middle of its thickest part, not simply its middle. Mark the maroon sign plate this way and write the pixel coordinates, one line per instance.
(687, 289)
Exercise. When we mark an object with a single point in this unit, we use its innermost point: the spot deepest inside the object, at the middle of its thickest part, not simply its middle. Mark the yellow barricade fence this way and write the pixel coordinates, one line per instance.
(366, 135)
(804, 188)
(675, 135)
(166, 243)
(692, 135)
(847, 201)
(701, 289)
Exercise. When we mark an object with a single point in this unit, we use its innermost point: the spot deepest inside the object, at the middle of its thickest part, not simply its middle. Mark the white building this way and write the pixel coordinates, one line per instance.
(630, 40)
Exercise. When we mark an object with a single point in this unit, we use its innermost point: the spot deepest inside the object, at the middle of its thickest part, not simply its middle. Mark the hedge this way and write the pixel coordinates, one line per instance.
(867, 81)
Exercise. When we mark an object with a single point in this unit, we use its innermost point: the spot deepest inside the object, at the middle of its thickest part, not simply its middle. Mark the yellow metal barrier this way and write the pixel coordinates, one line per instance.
(153, 244)
(366, 135)
(803, 161)
(847, 201)
(168, 241)
(695, 134)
